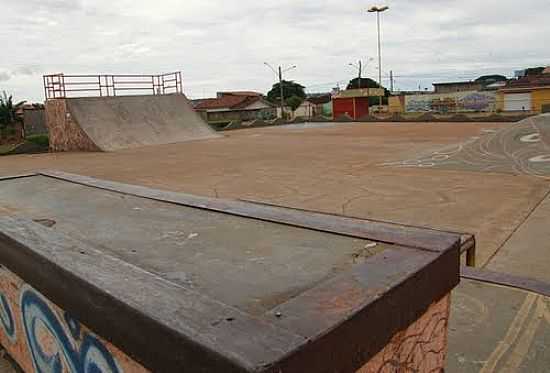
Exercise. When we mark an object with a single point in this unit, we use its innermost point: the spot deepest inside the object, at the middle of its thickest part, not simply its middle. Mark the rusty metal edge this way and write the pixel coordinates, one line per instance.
(508, 280)
(468, 241)
(413, 237)
(406, 301)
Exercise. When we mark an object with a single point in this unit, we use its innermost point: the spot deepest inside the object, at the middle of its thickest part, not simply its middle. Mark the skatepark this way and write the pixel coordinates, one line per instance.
(490, 180)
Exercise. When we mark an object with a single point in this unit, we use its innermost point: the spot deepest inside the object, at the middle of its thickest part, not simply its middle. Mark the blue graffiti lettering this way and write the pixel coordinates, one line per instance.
(91, 357)
(6, 317)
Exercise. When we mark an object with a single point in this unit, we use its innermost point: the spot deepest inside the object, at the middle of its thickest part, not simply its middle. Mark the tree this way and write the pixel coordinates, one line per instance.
(290, 88)
(294, 102)
(8, 110)
(369, 83)
(365, 83)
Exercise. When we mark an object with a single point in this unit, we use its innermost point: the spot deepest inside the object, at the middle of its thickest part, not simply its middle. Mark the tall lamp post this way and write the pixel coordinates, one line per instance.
(378, 10)
(279, 73)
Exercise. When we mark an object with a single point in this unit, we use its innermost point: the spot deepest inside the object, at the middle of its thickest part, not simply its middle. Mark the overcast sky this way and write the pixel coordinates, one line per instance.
(222, 44)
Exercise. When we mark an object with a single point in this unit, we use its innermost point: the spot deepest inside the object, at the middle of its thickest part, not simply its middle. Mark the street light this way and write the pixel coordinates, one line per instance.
(378, 10)
(279, 73)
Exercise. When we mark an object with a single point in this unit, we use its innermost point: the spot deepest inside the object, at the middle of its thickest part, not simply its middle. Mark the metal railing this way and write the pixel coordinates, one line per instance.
(65, 86)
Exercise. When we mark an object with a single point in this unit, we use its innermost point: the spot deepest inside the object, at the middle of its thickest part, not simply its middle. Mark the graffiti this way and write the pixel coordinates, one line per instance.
(516, 149)
(451, 102)
(38, 318)
(42, 337)
(478, 102)
(6, 317)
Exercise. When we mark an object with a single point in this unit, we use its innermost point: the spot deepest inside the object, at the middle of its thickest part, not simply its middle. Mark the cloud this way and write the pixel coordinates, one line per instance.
(222, 44)
(4, 76)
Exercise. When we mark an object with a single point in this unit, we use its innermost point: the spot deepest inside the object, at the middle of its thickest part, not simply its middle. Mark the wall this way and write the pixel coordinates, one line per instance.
(540, 98)
(499, 103)
(356, 107)
(326, 109)
(41, 337)
(396, 104)
(241, 115)
(420, 348)
(361, 107)
(305, 110)
(310, 110)
(452, 102)
(65, 134)
(34, 121)
(460, 87)
(343, 106)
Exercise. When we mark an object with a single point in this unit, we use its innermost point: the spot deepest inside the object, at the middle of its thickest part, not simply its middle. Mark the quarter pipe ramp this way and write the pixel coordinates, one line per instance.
(115, 123)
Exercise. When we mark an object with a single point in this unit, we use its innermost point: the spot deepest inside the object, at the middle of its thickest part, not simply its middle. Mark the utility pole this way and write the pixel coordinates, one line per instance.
(360, 72)
(279, 73)
(359, 68)
(282, 92)
(391, 81)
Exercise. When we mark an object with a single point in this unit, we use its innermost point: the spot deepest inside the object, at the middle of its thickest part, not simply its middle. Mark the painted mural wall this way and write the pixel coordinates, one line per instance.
(42, 337)
(452, 102)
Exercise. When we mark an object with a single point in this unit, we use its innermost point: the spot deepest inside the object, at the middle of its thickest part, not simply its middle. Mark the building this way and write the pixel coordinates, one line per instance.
(235, 106)
(305, 110)
(315, 105)
(322, 104)
(527, 93)
(354, 103)
(453, 87)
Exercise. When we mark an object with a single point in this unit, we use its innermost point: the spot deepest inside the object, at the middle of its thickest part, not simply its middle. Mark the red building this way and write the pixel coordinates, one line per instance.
(353, 102)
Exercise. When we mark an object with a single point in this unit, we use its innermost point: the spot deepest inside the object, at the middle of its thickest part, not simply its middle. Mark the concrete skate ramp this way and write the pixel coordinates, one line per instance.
(114, 123)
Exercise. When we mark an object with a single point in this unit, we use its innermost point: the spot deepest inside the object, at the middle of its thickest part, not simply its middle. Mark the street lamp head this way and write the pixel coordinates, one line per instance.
(378, 9)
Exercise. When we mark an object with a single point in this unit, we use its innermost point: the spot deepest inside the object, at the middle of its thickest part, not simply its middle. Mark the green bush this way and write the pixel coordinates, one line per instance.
(42, 140)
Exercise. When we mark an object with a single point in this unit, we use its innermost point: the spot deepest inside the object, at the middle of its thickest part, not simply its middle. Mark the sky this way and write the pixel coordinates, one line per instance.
(221, 45)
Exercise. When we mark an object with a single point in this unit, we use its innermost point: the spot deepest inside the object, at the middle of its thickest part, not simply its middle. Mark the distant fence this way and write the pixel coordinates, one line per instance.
(64, 86)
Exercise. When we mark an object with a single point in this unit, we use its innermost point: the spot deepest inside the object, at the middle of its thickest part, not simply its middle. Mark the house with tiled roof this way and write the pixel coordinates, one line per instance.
(235, 106)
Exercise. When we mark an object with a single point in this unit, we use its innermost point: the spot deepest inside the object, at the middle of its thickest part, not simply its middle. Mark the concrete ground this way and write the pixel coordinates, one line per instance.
(498, 329)
(489, 179)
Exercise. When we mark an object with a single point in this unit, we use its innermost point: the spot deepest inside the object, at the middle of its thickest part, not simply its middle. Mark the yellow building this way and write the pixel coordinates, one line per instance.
(530, 93)
(523, 99)
(541, 97)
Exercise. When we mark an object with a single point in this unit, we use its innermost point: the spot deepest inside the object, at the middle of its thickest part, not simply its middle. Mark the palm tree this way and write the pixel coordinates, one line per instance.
(8, 110)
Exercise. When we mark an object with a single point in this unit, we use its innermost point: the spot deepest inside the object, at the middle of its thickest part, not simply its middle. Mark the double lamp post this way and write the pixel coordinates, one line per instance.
(378, 10)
